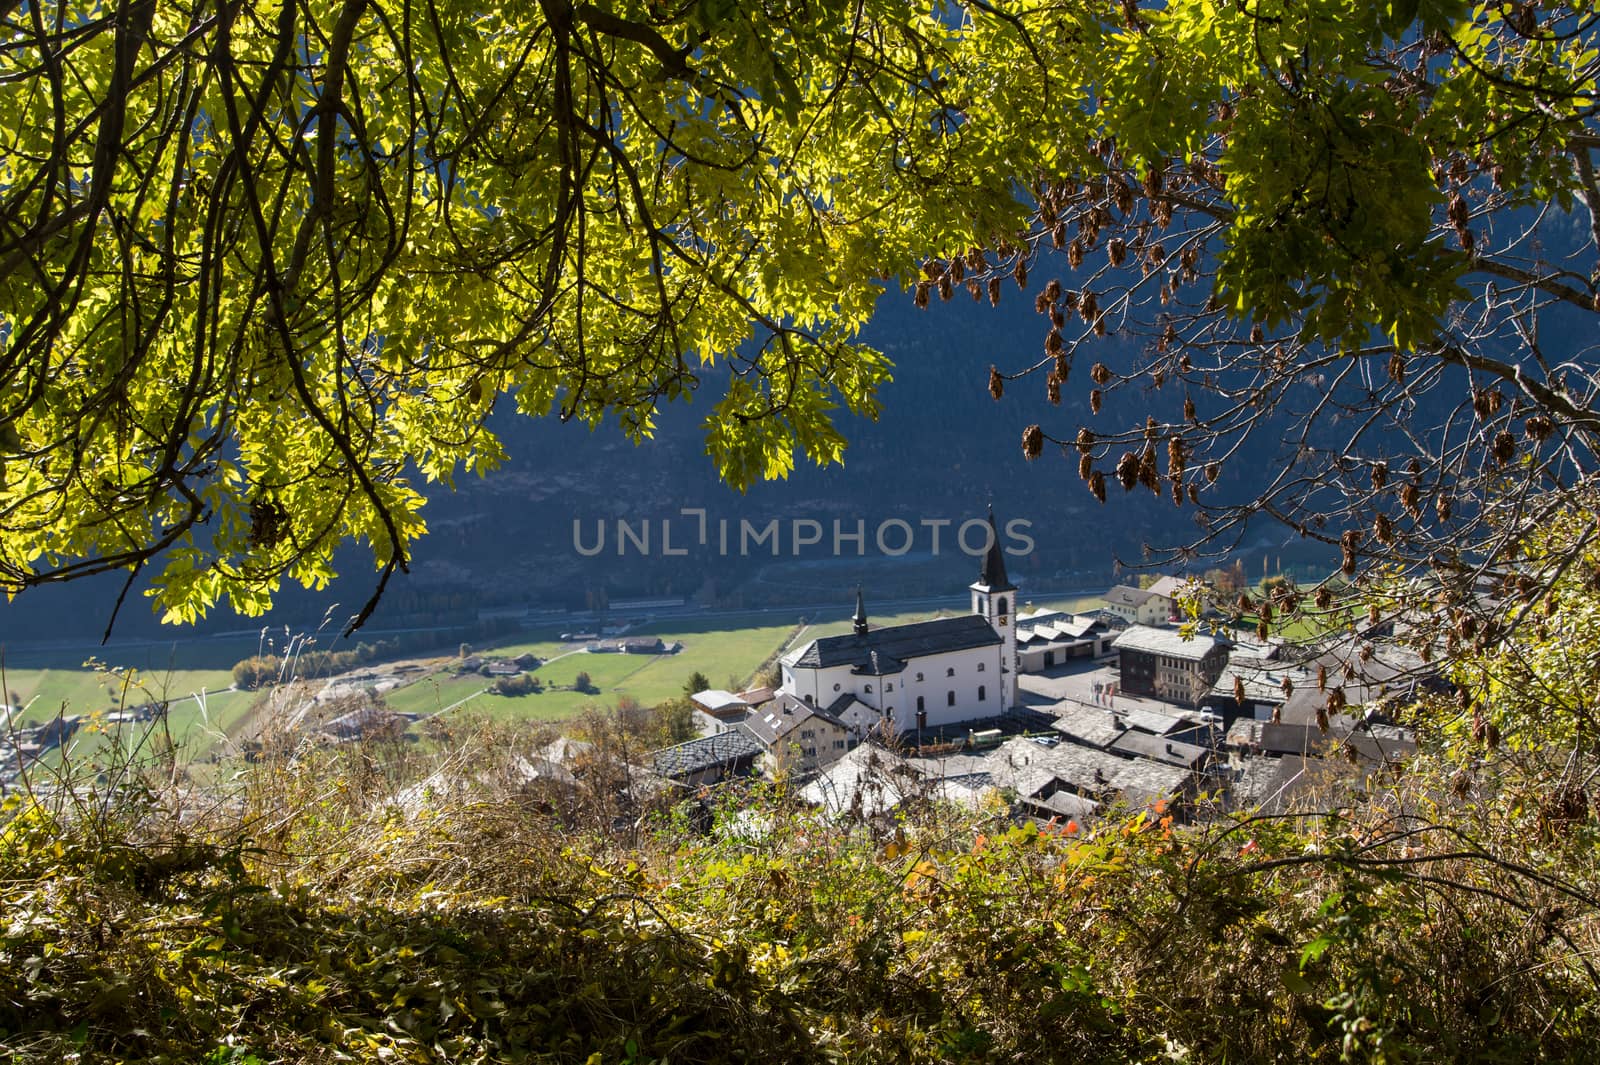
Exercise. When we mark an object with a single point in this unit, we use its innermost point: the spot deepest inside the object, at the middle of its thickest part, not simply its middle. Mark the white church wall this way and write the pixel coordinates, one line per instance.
(948, 687)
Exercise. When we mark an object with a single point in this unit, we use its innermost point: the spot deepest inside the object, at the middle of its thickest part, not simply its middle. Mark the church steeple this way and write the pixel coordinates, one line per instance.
(861, 613)
(993, 596)
(993, 573)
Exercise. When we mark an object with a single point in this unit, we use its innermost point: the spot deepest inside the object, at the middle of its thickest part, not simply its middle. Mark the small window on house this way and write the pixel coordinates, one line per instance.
(889, 687)
(950, 699)
(838, 745)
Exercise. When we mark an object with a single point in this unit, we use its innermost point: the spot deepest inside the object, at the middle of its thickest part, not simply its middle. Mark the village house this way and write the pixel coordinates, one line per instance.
(716, 710)
(798, 738)
(710, 759)
(1172, 591)
(1066, 780)
(1136, 606)
(1164, 664)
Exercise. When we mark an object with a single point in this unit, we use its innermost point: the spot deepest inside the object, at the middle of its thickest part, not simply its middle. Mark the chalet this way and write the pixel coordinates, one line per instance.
(1136, 744)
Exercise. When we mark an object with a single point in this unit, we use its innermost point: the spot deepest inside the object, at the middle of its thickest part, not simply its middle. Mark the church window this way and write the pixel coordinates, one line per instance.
(1002, 605)
(950, 699)
(950, 672)
(919, 678)
(835, 687)
(980, 667)
(981, 695)
(889, 687)
(810, 701)
(866, 687)
(919, 704)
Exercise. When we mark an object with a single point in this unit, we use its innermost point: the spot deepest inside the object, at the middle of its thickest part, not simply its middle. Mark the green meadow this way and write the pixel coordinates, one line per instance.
(202, 707)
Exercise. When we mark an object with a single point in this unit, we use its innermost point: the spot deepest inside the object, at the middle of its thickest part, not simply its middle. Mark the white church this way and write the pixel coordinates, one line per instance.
(919, 676)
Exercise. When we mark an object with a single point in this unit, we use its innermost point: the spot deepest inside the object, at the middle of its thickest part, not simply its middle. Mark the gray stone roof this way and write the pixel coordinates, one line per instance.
(897, 644)
(1171, 587)
(1094, 726)
(1127, 595)
(778, 718)
(854, 714)
(1279, 785)
(867, 781)
(1160, 748)
(1167, 642)
(1029, 770)
(686, 759)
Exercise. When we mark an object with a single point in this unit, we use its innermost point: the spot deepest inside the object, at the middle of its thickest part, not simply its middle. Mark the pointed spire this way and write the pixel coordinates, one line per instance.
(993, 573)
(861, 613)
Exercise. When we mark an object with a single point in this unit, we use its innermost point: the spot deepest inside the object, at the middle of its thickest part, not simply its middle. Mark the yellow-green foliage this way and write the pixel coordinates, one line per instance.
(308, 917)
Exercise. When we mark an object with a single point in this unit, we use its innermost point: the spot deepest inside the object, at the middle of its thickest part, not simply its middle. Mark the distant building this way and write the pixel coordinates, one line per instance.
(717, 711)
(1050, 638)
(644, 645)
(366, 723)
(632, 645)
(1169, 593)
(1137, 606)
(1161, 663)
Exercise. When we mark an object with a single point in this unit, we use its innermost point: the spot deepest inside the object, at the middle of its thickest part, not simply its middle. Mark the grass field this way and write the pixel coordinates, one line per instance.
(725, 656)
(727, 649)
(44, 692)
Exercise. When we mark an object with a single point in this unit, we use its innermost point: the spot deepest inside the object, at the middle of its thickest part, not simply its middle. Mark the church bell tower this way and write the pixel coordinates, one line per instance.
(994, 598)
